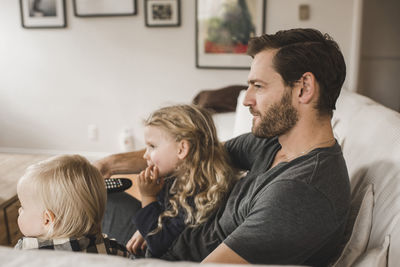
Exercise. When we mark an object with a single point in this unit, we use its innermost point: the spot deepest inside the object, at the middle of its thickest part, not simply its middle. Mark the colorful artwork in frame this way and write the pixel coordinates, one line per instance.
(223, 29)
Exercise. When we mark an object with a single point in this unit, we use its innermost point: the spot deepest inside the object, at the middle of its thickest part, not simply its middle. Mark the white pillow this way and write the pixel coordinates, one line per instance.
(361, 230)
(243, 118)
(375, 257)
(224, 123)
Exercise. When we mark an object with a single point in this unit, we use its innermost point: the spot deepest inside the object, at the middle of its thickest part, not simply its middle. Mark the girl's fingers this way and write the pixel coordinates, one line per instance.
(135, 247)
(129, 245)
(148, 174)
(155, 173)
(144, 246)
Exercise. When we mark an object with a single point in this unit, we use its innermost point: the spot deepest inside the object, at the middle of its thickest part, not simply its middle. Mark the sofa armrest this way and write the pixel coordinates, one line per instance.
(40, 258)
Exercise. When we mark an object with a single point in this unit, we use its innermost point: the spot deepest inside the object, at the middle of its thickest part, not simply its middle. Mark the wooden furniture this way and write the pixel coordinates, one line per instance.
(10, 233)
(12, 167)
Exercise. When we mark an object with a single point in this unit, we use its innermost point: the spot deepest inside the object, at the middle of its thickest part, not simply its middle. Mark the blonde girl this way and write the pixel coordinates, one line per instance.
(62, 204)
(187, 178)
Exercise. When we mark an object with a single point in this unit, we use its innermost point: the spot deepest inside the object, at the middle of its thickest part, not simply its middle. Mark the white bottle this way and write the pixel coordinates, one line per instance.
(126, 141)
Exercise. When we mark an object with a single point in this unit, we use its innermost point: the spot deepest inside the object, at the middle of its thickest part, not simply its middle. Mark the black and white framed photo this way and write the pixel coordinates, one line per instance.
(104, 8)
(223, 29)
(43, 13)
(162, 13)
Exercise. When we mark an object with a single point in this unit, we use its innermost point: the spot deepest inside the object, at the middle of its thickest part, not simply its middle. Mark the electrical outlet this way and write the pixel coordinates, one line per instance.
(93, 132)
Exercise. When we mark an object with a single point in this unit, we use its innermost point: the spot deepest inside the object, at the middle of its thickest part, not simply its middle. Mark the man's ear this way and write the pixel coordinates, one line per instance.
(48, 218)
(308, 88)
(183, 149)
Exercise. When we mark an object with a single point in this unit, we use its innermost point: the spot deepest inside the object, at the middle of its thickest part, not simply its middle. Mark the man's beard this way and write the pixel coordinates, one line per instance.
(278, 119)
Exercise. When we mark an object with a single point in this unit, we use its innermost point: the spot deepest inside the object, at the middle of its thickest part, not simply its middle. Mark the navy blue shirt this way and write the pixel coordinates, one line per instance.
(146, 220)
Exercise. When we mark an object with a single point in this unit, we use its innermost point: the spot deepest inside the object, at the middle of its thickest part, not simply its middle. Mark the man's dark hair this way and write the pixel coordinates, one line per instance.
(306, 50)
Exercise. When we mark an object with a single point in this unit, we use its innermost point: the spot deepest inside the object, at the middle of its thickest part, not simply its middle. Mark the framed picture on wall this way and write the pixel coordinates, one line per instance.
(162, 13)
(103, 8)
(223, 29)
(43, 13)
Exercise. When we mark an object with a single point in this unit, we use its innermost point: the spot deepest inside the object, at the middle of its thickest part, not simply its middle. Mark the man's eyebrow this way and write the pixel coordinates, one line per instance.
(253, 81)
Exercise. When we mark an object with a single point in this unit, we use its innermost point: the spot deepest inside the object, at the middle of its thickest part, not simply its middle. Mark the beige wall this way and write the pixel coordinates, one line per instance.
(113, 71)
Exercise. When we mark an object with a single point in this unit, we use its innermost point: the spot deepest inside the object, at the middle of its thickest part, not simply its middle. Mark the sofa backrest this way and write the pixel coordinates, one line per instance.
(369, 134)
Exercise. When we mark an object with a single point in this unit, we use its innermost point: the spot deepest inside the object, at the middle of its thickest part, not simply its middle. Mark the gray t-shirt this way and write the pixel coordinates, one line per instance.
(294, 213)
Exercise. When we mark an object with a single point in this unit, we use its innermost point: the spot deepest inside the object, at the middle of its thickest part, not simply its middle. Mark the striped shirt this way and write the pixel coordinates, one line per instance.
(99, 244)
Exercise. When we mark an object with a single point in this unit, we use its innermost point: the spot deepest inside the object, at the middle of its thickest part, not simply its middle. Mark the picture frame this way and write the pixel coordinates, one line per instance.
(43, 14)
(223, 29)
(105, 8)
(162, 13)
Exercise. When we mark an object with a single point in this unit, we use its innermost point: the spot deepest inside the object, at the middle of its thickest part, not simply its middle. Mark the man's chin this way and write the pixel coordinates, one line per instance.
(257, 132)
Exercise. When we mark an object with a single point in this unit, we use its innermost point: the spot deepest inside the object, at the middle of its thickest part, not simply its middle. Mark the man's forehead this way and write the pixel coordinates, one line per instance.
(262, 66)
(264, 58)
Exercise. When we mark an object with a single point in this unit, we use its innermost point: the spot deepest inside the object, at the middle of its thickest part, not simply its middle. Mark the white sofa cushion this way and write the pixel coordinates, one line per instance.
(51, 258)
(224, 124)
(375, 257)
(359, 227)
(243, 118)
(370, 137)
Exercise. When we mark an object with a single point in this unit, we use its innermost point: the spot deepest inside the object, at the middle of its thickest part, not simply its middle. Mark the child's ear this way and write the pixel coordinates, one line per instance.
(183, 149)
(48, 218)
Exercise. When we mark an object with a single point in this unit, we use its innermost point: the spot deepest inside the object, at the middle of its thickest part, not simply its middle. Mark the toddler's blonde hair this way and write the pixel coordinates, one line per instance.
(73, 190)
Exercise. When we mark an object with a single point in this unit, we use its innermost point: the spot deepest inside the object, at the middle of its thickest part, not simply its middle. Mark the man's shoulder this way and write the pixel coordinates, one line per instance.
(322, 172)
(250, 138)
(322, 175)
(249, 142)
(319, 165)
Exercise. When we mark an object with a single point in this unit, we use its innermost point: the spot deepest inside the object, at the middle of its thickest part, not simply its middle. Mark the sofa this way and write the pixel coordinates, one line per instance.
(369, 134)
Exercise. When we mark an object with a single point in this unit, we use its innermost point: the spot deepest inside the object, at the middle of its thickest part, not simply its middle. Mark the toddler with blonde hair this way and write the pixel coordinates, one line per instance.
(63, 201)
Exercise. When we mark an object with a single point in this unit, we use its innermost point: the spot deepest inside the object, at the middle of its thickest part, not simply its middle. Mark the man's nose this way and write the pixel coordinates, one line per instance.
(249, 97)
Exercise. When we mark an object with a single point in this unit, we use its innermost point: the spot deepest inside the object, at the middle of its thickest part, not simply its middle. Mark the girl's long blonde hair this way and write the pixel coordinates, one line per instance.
(205, 174)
